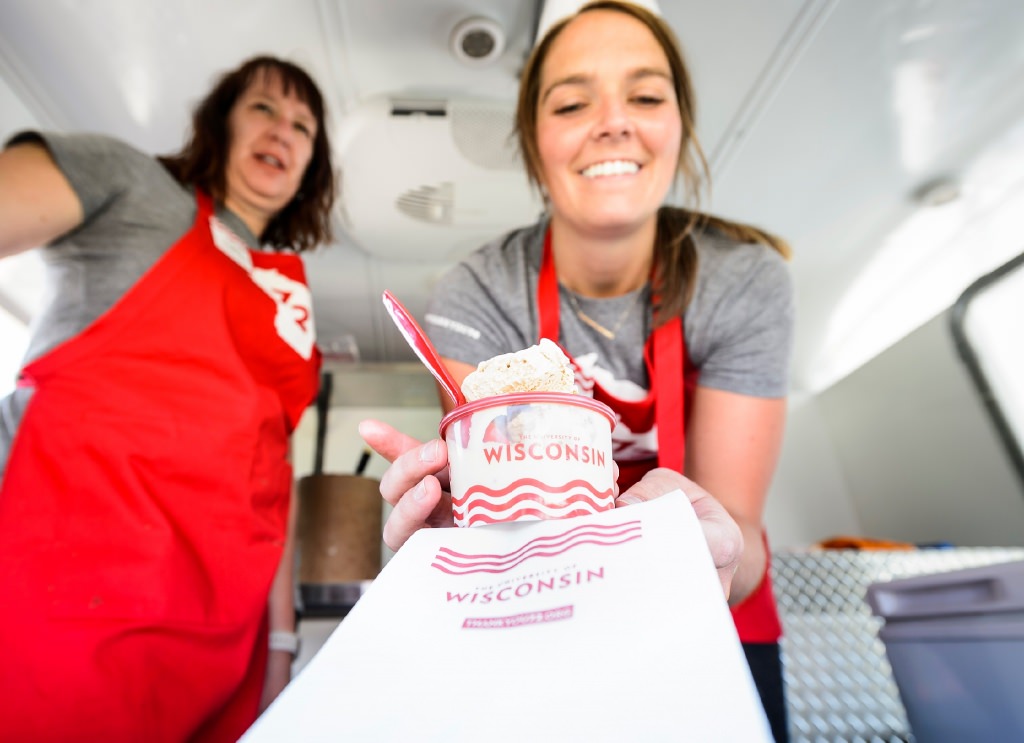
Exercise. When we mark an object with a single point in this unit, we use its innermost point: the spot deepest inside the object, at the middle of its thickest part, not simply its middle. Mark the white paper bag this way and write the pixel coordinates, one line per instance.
(609, 627)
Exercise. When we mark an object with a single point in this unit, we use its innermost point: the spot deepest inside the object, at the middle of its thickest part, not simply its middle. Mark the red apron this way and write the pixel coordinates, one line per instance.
(756, 618)
(144, 507)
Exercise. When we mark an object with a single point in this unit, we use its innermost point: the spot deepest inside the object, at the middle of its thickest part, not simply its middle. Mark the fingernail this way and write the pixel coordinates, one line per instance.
(428, 452)
(628, 500)
(419, 492)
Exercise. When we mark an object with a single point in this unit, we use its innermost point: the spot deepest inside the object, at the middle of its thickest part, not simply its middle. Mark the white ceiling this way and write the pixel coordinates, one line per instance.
(821, 119)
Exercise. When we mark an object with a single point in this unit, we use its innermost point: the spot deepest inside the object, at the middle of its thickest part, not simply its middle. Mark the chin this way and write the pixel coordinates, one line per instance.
(611, 228)
(620, 218)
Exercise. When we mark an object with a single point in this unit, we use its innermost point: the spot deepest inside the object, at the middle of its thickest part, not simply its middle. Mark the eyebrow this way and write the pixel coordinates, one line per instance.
(301, 117)
(580, 79)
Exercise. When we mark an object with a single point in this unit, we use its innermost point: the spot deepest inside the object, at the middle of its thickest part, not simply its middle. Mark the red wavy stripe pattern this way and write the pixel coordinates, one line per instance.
(536, 485)
(467, 571)
(477, 506)
(480, 516)
(549, 540)
(530, 498)
(457, 563)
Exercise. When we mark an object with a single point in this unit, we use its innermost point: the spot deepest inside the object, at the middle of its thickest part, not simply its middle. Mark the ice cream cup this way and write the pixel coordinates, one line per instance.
(529, 456)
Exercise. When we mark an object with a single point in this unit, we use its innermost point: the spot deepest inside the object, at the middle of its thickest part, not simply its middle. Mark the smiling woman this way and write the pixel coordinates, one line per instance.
(145, 492)
(679, 321)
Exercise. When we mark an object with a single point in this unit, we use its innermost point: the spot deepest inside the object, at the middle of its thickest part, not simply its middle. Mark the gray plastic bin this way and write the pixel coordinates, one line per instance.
(956, 645)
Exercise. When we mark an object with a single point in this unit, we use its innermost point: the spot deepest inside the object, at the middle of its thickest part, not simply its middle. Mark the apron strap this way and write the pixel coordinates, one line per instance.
(668, 394)
(666, 364)
(204, 205)
(547, 293)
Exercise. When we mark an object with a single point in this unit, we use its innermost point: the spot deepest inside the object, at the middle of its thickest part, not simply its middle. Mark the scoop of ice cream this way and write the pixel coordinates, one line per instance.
(540, 368)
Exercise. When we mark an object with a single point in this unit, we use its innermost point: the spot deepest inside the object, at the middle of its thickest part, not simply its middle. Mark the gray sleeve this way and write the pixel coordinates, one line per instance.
(133, 211)
(99, 168)
(740, 322)
(484, 306)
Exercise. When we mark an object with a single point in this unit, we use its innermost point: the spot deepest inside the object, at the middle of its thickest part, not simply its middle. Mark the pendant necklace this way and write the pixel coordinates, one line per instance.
(608, 333)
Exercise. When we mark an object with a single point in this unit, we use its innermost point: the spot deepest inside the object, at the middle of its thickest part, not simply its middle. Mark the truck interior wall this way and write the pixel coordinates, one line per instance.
(808, 500)
(918, 452)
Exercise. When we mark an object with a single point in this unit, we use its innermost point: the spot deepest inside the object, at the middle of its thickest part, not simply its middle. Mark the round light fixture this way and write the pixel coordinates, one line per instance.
(477, 41)
(938, 191)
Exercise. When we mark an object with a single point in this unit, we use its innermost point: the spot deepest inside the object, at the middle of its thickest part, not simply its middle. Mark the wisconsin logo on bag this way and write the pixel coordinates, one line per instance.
(457, 563)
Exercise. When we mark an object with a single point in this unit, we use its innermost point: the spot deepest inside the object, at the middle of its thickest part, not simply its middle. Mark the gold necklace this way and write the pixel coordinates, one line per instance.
(588, 320)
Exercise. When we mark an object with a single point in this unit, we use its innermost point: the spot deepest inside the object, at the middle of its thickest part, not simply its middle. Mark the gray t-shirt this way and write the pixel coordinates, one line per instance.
(738, 326)
(133, 212)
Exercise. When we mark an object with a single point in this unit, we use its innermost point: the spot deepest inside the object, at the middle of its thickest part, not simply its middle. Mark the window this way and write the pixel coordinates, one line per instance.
(988, 327)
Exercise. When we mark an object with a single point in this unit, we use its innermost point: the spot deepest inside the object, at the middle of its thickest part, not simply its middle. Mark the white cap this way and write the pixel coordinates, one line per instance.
(556, 10)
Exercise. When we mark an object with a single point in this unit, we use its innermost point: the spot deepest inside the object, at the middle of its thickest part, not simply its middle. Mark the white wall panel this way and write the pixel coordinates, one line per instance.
(919, 455)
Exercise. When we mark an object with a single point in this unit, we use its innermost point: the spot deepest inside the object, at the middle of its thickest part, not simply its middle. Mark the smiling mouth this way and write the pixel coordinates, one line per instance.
(611, 167)
(271, 161)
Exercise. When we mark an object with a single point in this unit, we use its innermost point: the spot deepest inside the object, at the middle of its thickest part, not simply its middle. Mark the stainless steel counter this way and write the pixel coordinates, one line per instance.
(839, 681)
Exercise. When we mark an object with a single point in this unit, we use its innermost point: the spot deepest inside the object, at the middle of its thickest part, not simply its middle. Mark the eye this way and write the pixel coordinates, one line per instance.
(568, 108)
(304, 129)
(648, 100)
(263, 107)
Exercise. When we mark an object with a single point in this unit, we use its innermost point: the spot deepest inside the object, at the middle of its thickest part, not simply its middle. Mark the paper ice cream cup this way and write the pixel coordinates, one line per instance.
(529, 456)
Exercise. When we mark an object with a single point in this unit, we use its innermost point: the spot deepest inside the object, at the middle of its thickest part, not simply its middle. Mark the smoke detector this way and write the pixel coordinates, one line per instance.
(477, 41)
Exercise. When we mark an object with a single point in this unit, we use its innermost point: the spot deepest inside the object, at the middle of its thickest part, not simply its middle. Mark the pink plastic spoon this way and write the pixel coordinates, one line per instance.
(419, 343)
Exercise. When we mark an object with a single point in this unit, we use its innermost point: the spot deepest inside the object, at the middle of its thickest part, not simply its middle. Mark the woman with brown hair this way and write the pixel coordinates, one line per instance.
(145, 487)
(681, 322)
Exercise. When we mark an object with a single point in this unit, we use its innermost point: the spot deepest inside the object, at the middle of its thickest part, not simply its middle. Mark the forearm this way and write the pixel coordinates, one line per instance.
(752, 564)
(733, 443)
(281, 602)
(281, 613)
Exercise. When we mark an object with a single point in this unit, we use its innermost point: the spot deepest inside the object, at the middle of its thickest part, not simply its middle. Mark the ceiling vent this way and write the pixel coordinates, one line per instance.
(424, 187)
(480, 201)
(428, 203)
(418, 107)
(483, 134)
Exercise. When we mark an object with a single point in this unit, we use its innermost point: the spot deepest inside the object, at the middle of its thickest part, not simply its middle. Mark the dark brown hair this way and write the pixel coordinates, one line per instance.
(675, 254)
(305, 221)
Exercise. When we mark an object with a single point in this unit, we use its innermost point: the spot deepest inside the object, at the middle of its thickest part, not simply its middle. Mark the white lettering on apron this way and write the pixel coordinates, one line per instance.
(293, 319)
(230, 244)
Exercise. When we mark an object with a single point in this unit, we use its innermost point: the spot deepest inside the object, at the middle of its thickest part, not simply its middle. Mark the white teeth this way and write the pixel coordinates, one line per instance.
(271, 161)
(611, 167)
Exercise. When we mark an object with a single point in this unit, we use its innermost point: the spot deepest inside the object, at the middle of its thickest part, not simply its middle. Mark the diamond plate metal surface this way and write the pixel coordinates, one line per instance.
(839, 683)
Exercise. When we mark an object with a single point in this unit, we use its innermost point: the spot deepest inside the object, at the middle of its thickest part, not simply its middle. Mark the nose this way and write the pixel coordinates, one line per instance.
(283, 130)
(613, 120)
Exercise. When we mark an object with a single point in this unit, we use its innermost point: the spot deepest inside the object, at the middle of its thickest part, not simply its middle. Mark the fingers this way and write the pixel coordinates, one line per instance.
(415, 510)
(722, 533)
(414, 484)
(385, 440)
(725, 543)
(409, 468)
(410, 460)
(655, 483)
